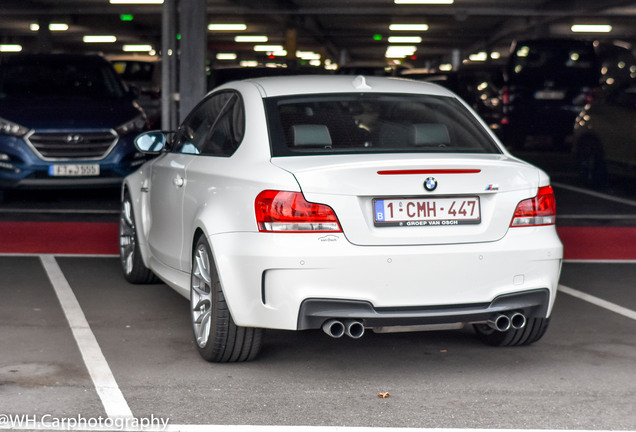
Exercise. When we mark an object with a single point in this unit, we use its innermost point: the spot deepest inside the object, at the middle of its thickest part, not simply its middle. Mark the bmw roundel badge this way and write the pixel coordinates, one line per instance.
(430, 184)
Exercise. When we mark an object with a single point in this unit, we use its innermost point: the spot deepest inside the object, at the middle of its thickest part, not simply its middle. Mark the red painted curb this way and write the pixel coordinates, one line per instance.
(95, 238)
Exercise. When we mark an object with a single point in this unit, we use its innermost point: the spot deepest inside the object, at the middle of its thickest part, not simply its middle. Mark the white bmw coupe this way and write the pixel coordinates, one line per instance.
(344, 204)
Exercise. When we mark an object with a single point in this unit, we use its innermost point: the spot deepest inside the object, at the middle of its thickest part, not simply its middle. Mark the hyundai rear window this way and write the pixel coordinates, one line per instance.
(373, 123)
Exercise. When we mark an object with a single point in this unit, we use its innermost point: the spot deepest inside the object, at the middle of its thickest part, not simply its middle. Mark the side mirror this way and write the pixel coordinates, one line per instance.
(151, 142)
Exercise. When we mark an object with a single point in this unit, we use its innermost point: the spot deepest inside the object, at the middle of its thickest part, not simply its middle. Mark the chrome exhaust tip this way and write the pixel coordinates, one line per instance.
(499, 322)
(517, 320)
(333, 328)
(354, 329)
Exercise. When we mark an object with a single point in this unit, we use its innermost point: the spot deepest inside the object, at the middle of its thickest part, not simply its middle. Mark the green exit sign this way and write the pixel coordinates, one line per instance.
(126, 17)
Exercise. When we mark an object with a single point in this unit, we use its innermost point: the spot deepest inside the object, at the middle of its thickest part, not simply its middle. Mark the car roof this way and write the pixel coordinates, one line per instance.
(320, 84)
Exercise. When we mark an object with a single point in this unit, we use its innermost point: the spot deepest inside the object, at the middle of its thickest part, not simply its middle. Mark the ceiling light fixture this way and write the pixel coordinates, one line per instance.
(247, 38)
(52, 27)
(591, 28)
(408, 27)
(227, 27)
(400, 51)
(480, 56)
(307, 55)
(425, 2)
(99, 39)
(405, 39)
(226, 56)
(268, 48)
(137, 48)
(129, 2)
(10, 48)
(58, 27)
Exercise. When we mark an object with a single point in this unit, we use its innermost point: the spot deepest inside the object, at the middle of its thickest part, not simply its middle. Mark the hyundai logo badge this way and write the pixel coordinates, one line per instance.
(430, 184)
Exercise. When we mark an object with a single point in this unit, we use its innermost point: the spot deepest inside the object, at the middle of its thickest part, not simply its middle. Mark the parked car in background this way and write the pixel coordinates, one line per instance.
(65, 120)
(548, 82)
(144, 74)
(479, 84)
(341, 203)
(605, 133)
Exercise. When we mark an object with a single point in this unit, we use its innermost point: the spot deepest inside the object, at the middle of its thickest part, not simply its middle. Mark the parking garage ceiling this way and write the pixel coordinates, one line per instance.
(338, 30)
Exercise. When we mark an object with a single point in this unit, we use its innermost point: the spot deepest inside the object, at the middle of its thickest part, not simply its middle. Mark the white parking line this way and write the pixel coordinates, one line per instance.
(599, 302)
(249, 428)
(116, 406)
(595, 194)
(103, 379)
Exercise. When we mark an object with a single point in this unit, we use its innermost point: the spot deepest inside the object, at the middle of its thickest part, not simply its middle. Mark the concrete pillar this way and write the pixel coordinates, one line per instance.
(456, 58)
(192, 54)
(45, 44)
(169, 65)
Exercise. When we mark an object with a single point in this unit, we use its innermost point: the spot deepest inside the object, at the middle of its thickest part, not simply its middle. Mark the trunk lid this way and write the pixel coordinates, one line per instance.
(350, 184)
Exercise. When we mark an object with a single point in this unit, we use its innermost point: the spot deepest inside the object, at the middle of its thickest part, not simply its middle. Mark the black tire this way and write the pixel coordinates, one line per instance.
(534, 330)
(217, 338)
(129, 254)
(592, 168)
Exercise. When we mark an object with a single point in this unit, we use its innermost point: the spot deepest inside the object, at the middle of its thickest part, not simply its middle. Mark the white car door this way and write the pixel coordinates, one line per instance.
(166, 202)
(169, 236)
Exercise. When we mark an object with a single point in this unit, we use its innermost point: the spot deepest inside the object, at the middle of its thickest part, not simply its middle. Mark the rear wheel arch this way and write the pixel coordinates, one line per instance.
(217, 337)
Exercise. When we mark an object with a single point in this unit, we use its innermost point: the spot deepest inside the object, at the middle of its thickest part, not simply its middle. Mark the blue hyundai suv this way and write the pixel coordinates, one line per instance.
(66, 120)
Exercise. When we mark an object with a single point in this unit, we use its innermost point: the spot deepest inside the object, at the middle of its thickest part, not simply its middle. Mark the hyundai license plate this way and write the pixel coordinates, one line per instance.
(73, 170)
(426, 211)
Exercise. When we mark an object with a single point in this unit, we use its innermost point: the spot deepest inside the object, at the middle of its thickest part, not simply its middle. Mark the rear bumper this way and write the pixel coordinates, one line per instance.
(290, 282)
(314, 312)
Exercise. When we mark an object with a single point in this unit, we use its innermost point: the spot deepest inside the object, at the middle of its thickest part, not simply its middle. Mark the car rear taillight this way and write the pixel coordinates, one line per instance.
(282, 211)
(540, 210)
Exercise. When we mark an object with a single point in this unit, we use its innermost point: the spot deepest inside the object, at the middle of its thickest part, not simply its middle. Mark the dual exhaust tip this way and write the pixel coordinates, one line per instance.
(505, 322)
(350, 327)
(355, 329)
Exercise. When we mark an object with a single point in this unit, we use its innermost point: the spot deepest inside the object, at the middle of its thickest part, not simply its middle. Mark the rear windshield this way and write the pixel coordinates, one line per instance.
(34, 77)
(373, 123)
(572, 64)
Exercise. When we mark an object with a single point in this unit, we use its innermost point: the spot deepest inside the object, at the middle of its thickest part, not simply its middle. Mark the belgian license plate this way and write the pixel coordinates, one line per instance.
(73, 170)
(426, 211)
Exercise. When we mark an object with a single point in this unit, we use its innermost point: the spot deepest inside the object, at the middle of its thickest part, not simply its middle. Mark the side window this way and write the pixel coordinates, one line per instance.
(227, 132)
(193, 133)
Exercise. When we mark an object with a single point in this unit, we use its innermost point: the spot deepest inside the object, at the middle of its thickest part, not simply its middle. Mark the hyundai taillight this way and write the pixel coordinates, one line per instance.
(282, 211)
(540, 210)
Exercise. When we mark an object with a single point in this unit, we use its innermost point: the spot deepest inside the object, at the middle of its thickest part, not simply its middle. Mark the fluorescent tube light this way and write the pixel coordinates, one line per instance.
(136, 1)
(227, 27)
(10, 48)
(137, 48)
(226, 56)
(52, 27)
(247, 38)
(480, 56)
(268, 48)
(425, 2)
(400, 51)
(99, 39)
(405, 39)
(408, 27)
(591, 28)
